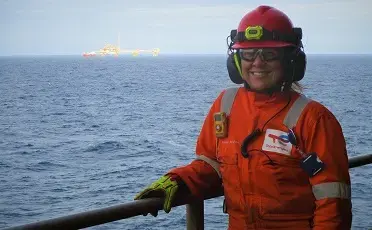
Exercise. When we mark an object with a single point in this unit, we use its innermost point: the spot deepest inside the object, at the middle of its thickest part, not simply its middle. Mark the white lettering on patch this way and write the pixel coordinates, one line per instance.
(277, 141)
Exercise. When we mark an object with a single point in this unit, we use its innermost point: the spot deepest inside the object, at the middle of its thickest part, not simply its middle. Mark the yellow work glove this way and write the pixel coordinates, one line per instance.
(166, 187)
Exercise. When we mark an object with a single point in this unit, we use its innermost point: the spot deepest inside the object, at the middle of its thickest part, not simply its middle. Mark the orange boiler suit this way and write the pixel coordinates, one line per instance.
(269, 189)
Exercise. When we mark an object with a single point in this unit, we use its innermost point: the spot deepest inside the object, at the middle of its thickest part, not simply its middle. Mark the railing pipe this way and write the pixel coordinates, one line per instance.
(195, 210)
(360, 160)
(95, 217)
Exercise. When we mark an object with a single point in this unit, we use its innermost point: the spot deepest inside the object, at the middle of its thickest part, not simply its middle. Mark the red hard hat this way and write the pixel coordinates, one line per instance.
(268, 19)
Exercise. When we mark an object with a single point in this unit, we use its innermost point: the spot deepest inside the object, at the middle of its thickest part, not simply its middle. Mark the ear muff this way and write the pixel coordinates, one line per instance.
(296, 64)
(233, 60)
(297, 59)
(233, 68)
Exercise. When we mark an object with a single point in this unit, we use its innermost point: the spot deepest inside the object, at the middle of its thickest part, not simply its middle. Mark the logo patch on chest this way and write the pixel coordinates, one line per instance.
(277, 141)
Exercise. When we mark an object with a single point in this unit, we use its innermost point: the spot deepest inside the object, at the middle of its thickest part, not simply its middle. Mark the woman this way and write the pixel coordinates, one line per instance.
(280, 157)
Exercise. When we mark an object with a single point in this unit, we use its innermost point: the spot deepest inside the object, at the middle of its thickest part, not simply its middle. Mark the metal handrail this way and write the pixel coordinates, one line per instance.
(109, 214)
(140, 207)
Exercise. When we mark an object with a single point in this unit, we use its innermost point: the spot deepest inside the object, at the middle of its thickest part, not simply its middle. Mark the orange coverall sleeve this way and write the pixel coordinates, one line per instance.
(331, 187)
(199, 176)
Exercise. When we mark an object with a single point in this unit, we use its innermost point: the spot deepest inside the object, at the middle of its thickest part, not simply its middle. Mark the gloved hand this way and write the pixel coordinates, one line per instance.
(166, 186)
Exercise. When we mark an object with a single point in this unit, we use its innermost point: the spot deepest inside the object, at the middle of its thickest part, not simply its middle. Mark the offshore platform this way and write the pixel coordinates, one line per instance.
(115, 50)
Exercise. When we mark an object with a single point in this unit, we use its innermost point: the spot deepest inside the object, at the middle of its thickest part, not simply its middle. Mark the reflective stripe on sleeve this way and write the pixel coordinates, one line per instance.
(332, 190)
(215, 165)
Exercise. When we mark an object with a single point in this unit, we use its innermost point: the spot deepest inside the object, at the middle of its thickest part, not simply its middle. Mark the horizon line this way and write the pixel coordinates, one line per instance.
(163, 54)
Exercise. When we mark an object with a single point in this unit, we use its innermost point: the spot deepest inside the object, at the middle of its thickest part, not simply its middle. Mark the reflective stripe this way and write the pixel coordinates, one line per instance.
(215, 165)
(295, 111)
(290, 119)
(332, 190)
(228, 99)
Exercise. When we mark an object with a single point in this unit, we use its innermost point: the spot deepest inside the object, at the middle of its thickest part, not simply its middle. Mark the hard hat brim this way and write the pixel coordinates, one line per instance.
(261, 44)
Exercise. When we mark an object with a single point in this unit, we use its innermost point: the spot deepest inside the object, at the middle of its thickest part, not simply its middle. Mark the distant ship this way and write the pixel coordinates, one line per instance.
(113, 50)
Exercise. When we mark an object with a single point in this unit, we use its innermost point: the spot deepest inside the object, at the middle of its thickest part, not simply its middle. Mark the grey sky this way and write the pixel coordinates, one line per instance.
(178, 26)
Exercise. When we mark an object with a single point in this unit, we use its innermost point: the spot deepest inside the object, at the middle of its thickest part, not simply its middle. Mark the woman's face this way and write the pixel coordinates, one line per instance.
(261, 68)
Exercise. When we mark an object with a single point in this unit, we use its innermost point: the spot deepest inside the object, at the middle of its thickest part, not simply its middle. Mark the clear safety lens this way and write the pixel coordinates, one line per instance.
(266, 54)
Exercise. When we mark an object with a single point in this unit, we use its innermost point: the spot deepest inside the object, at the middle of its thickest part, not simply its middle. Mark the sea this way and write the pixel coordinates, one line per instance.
(79, 134)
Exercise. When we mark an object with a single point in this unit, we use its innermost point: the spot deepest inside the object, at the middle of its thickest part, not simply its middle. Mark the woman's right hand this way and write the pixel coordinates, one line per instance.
(166, 186)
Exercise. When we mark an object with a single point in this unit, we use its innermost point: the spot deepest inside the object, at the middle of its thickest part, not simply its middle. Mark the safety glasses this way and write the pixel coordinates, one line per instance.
(266, 54)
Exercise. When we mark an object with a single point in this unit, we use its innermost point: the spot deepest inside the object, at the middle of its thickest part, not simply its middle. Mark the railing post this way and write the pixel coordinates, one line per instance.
(195, 215)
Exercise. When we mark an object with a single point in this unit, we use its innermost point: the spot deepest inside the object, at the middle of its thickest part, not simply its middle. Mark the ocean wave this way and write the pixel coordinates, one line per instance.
(106, 146)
